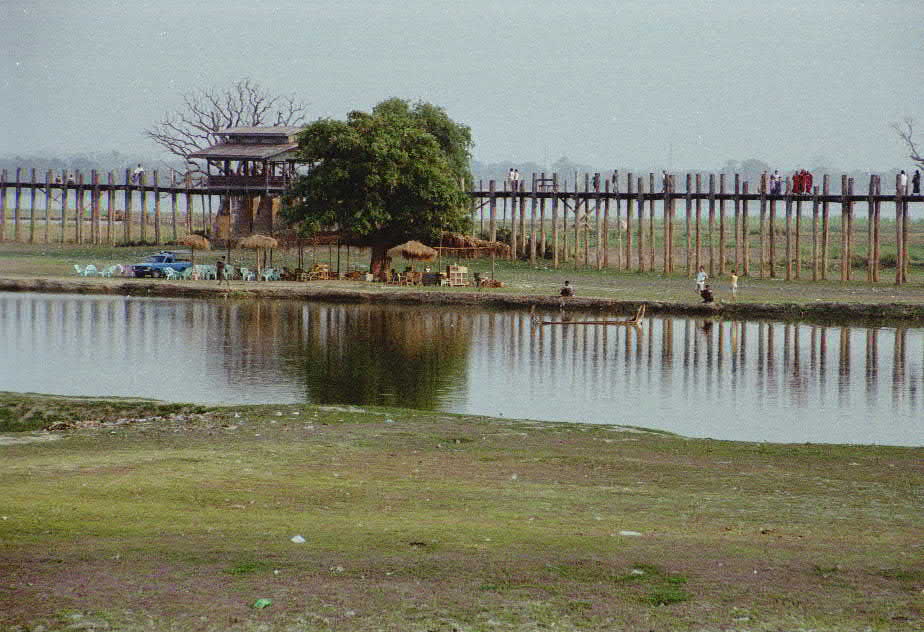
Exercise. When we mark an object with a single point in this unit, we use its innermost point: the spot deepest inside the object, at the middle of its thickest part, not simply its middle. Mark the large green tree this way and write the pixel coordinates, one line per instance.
(383, 177)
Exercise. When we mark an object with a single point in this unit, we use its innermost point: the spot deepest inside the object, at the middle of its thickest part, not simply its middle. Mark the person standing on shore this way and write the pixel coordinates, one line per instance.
(221, 272)
(701, 277)
(734, 284)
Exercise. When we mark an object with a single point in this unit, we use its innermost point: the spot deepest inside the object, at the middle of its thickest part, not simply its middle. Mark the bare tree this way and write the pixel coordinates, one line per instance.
(905, 131)
(246, 103)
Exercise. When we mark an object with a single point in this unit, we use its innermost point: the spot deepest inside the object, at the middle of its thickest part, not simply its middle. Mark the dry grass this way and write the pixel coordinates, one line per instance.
(429, 521)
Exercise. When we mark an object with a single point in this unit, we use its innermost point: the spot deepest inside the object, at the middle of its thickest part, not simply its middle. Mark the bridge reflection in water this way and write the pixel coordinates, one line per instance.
(747, 380)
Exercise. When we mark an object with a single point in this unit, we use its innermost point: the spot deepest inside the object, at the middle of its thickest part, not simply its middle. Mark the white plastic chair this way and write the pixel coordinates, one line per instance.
(90, 270)
(171, 275)
(78, 270)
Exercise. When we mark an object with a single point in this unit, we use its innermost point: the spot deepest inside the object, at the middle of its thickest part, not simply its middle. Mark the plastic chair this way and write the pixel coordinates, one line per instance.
(78, 270)
(90, 270)
(186, 274)
(108, 271)
(171, 275)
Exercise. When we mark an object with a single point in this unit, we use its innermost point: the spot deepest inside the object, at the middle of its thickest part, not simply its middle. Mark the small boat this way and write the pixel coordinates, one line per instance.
(635, 321)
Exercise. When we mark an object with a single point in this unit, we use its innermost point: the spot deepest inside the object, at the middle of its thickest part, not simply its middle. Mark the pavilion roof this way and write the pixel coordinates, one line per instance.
(245, 151)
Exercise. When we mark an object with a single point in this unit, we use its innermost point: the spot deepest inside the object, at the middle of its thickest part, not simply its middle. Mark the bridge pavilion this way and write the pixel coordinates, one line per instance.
(249, 169)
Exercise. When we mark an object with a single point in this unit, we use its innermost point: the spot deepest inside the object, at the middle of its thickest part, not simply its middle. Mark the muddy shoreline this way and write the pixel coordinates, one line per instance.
(906, 313)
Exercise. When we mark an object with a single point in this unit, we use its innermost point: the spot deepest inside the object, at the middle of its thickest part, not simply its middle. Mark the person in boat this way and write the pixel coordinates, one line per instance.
(567, 290)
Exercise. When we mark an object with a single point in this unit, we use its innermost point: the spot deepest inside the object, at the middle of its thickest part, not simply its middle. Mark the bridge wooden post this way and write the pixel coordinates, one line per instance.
(641, 224)
(899, 242)
(815, 204)
(849, 266)
(532, 220)
(788, 246)
(542, 231)
(585, 221)
(619, 255)
(870, 216)
(736, 202)
(762, 227)
(521, 193)
(666, 228)
(17, 204)
(49, 179)
(772, 234)
(906, 222)
(64, 202)
(144, 206)
(746, 241)
(32, 196)
(555, 235)
(845, 222)
(651, 223)
(722, 223)
(188, 199)
(514, 233)
(127, 214)
(797, 270)
(110, 207)
(599, 221)
(711, 228)
(825, 227)
(157, 239)
(492, 210)
(606, 224)
(81, 209)
(97, 210)
(698, 226)
(689, 205)
(629, 221)
(2, 204)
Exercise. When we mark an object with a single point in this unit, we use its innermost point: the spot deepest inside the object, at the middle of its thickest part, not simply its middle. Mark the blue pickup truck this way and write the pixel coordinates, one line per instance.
(154, 265)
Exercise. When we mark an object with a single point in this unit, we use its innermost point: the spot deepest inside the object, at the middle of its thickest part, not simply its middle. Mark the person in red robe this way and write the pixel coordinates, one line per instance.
(807, 181)
(797, 182)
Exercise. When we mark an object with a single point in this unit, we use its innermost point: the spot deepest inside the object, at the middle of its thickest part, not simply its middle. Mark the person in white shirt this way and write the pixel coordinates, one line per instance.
(701, 277)
(903, 181)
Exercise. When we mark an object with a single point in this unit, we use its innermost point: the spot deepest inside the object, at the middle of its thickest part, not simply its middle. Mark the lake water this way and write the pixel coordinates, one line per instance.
(743, 380)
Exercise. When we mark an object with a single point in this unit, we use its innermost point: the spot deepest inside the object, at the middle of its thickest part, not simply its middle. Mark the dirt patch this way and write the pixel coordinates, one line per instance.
(30, 438)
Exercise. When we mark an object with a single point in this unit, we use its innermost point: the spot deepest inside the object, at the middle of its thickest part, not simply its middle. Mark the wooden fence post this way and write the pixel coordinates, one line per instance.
(49, 179)
(825, 226)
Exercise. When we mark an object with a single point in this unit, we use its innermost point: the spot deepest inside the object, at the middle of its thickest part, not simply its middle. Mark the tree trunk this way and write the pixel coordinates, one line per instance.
(380, 260)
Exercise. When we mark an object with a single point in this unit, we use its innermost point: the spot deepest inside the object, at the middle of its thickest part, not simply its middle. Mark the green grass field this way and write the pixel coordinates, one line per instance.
(135, 515)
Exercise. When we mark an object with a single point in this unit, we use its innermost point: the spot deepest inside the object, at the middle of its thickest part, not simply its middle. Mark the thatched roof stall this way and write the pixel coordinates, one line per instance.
(259, 243)
(195, 242)
(413, 251)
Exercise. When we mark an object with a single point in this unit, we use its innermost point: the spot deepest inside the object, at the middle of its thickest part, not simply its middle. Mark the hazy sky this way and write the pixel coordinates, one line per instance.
(602, 82)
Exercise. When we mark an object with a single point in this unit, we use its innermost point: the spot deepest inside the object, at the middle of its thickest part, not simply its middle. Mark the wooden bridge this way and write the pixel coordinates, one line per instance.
(608, 223)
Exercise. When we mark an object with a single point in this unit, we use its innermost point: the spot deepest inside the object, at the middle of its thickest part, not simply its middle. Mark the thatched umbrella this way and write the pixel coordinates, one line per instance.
(413, 251)
(258, 243)
(194, 242)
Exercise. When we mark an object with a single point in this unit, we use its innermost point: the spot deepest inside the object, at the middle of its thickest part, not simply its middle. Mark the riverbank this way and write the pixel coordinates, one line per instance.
(134, 515)
(360, 292)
